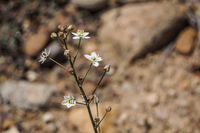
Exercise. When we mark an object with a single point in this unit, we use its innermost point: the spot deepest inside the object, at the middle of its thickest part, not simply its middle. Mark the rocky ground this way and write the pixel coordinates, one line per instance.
(153, 49)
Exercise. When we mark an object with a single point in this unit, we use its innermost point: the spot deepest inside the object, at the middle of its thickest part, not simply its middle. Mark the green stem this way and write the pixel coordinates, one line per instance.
(59, 42)
(57, 63)
(77, 51)
(99, 82)
(80, 103)
(102, 119)
(87, 72)
(98, 114)
(82, 91)
(65, 44)
(91, 118)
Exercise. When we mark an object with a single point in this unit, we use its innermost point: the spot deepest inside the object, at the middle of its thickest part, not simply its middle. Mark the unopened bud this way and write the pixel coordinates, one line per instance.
(62, 35)
(91, 97)
(80, 78)
(67, 53)
(108, 108)
(96, 99)
(62, 27)
(71, 70)
(71, 28)
(96, 119)
(107, 68)
(53, 35)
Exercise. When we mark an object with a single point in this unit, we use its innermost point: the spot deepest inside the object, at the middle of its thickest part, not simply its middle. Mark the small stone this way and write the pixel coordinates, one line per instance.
(32, 76)
(47, 117)
(185, 40)
(152, 99)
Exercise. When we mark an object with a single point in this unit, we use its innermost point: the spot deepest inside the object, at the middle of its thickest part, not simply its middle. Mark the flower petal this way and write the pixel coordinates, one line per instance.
(96, 64)
(93, 54)
(87, 37)
(66, 97)
(76, 37)
(71, 97)
(99, 59)
(86, 33)
(64, 102)
(75, 34)
(88, 57)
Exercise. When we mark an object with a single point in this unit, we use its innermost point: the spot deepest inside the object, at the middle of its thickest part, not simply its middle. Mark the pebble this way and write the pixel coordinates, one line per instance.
(47, 117)
(185, 40)
(152, 99)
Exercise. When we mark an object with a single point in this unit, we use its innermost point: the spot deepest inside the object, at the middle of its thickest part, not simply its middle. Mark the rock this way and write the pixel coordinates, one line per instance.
(12, 130)
(36, 42)
(7, 124)
(92, 5)
(126, 32)
(185, 40)
(26, 95)
(47, 117)
(152, 99)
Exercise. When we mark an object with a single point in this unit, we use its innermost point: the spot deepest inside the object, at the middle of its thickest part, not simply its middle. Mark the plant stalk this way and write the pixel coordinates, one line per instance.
(99, 82)
(82, 91)
(77, 51)
(87, 72)
(57, 63)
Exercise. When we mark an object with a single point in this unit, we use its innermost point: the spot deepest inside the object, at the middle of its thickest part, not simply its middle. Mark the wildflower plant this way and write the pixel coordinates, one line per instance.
(69, 100)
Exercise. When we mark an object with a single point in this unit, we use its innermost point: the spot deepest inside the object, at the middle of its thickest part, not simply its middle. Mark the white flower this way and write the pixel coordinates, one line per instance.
(69, 101)
(81, 34)
(44, 56)
(94, 58)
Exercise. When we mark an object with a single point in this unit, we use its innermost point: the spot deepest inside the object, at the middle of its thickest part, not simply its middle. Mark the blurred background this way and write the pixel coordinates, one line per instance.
(153, 49)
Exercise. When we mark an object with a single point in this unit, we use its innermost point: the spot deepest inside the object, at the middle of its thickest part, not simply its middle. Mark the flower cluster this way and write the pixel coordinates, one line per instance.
(69, 100)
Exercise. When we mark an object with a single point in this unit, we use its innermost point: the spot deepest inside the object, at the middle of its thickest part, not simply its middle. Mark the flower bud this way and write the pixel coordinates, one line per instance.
(107, 68)
(96, 99)
(62, 27)
(53, 35)
(62, 35)
(67, 53)
(71, 28)
(96, 119)
(108, 108)
(80, 78)
(91, 97)
(71, 70)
